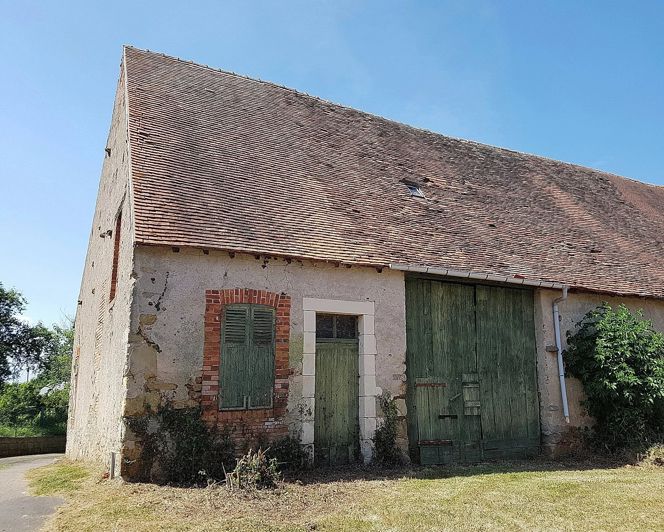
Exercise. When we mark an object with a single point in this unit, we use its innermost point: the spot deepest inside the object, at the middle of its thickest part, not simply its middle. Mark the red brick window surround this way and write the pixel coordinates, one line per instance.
(255, 420)
(116, 256)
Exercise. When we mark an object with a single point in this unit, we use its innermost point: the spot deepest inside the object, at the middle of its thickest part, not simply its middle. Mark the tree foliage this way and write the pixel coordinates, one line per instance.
(26, 405)
(55, 363)
(22, 345)
(619, 358)
(40, 405)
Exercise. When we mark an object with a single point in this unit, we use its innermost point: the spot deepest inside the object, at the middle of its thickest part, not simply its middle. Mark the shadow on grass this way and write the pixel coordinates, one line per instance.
(358, 472)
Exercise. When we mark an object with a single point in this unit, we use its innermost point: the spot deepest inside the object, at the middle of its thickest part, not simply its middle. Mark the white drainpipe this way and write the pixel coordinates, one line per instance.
(559, 348)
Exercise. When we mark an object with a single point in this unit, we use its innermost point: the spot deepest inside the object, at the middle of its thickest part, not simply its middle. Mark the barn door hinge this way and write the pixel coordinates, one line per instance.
(434, 442)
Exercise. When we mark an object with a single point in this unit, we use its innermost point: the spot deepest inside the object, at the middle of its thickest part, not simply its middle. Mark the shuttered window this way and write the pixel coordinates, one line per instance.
(247, 357)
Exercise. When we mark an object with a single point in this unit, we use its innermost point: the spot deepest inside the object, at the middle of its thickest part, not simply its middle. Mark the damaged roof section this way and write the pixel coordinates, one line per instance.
(223, 161)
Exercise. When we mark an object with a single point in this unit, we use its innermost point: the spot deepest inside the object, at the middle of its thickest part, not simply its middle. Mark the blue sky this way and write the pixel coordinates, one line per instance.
(578, 81)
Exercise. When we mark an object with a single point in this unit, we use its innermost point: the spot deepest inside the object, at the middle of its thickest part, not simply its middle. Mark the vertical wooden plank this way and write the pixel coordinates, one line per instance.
(441, 348)
(486, 363)
(336, 407)
(507, 364)
(530, 369)
(234, 382)
(418, 349)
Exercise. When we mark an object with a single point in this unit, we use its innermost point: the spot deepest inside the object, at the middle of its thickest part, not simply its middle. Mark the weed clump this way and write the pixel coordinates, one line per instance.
(254, 470)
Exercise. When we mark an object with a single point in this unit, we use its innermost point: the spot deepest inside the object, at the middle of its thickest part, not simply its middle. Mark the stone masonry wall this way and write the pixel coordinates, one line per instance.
(102, 321)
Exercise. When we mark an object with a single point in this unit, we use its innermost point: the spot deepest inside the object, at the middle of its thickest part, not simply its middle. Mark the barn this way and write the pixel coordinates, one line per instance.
(283, 263)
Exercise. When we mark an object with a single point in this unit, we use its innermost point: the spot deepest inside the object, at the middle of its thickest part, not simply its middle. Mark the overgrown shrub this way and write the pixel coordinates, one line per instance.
(386, 451)
(184, 449)
(289, 454)
(619, 358)
(255, 470)
(654, 455)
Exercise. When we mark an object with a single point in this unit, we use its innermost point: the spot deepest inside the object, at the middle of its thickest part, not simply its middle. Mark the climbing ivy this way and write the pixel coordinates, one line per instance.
(289, 454)
(619, 358)
(386, 451)
(178, 447)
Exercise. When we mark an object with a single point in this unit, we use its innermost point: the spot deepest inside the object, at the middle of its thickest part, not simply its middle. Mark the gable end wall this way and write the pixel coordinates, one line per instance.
(101, 327)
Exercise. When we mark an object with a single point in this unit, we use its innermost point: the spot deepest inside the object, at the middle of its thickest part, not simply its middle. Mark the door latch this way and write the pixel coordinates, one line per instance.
(445, 416)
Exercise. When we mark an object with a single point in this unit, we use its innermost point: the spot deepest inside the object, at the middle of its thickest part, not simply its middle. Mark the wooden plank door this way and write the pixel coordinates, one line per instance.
(507, 372)
(441, 363)
(471, 370)
(336, 424)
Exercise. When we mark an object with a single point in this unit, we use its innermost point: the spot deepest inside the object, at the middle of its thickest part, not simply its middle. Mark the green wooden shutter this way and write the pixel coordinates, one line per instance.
(247, 357)
(260, 362)
(234, 349)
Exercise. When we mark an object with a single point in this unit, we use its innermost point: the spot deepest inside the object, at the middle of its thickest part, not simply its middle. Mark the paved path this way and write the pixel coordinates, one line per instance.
(18, 510)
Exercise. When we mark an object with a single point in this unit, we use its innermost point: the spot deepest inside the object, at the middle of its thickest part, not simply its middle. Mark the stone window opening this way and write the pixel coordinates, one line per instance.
(116, 254)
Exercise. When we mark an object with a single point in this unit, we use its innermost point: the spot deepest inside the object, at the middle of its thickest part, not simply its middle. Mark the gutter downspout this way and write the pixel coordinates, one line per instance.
(559, 348)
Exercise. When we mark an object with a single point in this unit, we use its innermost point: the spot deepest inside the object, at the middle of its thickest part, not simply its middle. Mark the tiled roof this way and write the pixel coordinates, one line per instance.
(222, 161)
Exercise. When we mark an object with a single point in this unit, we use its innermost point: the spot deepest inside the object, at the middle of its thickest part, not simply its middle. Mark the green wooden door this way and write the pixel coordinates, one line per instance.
(462, 340)
(336, 425)
(508, 374)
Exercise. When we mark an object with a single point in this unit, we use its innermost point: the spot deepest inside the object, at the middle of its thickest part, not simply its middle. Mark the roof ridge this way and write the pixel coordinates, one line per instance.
(390, 120)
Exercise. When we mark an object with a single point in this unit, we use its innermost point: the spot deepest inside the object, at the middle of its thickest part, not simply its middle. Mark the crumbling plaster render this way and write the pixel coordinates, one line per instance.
(166, 344)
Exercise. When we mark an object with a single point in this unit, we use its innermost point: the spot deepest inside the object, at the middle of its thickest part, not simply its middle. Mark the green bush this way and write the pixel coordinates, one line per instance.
(289, 454)
(619, 358)
(24, 410)
(386, 451)
(255, 470)
(184, 449)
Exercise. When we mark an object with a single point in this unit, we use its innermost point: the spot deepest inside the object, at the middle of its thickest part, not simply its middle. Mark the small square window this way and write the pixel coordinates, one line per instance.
(336, 327)
(346, 327)
(324, 326)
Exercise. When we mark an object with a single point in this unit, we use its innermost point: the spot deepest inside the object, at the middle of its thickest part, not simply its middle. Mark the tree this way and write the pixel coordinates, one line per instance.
(55, 362)
(20, 404)
(21, 344)
(41, 404)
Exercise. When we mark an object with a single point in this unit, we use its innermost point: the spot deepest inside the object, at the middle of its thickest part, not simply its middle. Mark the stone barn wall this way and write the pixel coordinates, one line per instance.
(102, 322)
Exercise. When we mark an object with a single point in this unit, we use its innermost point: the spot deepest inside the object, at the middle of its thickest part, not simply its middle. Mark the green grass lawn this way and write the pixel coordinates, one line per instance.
(525, 495)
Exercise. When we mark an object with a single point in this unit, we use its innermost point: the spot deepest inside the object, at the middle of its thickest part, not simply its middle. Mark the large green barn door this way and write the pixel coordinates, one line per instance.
(442, 370)
(507, 369)
(336, 424)
(471, 371)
